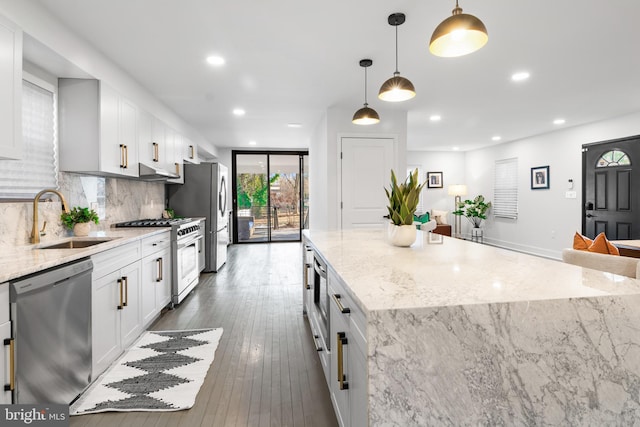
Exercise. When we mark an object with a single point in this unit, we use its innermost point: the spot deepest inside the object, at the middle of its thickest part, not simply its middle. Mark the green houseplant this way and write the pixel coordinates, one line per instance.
(78, 220)
(474, 210)
(403, 201)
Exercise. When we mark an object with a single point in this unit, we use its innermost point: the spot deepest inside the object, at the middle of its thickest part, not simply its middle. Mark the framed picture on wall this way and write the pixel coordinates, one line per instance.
(539, 177)
(434, 179)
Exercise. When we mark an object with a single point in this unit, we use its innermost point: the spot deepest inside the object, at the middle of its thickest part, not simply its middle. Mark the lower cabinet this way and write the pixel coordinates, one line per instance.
(348, 375)
(156, 276)
(5, 338)
(116, 304)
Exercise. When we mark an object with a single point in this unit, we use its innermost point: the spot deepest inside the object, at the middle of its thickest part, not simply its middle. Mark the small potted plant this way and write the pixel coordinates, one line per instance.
(403, 202)
(474, 210)
(78, 220)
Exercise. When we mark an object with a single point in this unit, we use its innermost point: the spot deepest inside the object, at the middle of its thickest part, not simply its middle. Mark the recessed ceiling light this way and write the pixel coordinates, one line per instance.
(435, 118)
(239, 112)
(520, 76)
(215, 60)
(559, 121)
(496, 138)
(455, 148)
(252, 143)
(294, 125)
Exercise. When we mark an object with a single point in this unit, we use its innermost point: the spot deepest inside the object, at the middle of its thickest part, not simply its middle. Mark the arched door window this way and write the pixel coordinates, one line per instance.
(613, 158)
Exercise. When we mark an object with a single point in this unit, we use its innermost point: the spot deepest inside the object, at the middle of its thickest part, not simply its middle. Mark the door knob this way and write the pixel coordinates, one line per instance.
(591, 216)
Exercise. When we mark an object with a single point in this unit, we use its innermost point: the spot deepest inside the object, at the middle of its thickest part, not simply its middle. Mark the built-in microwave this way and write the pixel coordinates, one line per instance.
(321, 297)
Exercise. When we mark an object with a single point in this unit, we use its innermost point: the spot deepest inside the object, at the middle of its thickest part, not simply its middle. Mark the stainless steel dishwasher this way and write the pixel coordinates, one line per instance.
(51, 315)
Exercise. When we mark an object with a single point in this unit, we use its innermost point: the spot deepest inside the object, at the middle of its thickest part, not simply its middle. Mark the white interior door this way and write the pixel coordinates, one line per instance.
(366, 171)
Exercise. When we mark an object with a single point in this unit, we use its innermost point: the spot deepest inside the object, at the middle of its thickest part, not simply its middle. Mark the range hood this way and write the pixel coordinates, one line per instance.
(152, 173)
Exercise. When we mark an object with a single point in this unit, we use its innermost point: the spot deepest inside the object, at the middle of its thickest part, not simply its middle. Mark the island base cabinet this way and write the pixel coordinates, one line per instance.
(348, 374)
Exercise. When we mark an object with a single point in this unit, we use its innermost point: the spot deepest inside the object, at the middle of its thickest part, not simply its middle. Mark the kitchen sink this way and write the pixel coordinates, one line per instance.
(78, 243)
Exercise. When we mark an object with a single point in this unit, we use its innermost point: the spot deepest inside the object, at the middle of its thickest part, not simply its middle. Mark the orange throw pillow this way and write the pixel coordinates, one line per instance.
(602, 246)
(581, 242)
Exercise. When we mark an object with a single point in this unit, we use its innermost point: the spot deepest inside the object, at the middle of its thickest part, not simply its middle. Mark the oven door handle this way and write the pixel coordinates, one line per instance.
(182, 245)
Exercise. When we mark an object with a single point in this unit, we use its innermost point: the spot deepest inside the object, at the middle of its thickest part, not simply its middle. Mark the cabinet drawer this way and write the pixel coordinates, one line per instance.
(114, 259)
(4, 302)
(156, 243)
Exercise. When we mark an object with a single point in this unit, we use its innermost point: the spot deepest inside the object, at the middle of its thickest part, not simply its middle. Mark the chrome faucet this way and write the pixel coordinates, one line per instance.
(35, 234)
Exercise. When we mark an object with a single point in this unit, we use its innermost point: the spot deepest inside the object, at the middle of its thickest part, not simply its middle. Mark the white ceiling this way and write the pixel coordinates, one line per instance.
(289, 60)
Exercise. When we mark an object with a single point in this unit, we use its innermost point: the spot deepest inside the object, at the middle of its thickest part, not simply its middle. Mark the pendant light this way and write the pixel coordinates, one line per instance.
(458, 35)
(396, 88)
(365, 115)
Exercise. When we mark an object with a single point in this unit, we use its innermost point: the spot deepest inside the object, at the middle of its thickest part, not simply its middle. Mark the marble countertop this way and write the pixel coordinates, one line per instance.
(438, 271)
(23, 260)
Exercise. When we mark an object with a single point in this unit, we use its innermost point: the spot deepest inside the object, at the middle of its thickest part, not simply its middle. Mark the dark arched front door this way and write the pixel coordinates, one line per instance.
(611, 190)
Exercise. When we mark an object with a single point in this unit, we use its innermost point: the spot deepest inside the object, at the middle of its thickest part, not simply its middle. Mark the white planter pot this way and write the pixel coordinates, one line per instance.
(401, 235)
(81, 229)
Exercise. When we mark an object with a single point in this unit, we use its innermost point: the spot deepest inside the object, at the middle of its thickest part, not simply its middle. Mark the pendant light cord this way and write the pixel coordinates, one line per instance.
(397, 72)
(365, 87)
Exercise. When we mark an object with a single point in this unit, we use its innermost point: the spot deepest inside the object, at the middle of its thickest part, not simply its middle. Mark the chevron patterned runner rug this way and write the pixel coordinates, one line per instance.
(162, 371)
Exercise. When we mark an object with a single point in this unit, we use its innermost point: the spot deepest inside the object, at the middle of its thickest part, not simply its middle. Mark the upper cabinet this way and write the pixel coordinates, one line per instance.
(10, 90)
(98, 129)
(189, 151)
(174, 147)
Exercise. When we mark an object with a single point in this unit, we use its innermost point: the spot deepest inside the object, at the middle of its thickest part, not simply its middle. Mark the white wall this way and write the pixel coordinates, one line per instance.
(451, 164)
(43, 27)
(324, 157)
(546, 219)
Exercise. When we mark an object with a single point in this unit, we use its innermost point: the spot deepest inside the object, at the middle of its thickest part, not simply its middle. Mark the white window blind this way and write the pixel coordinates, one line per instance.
(38, 168)
(505, 189)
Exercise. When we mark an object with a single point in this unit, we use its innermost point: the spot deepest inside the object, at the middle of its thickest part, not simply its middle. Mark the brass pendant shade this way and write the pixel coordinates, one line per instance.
(458, 35)
(397, 88)
(365, 115)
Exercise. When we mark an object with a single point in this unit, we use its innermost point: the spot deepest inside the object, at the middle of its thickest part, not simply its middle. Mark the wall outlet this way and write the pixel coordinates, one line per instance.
(570, 194)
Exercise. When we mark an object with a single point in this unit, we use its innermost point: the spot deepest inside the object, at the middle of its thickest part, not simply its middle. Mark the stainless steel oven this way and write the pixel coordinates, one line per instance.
(187, 245)
(187, 242)
(321, 297)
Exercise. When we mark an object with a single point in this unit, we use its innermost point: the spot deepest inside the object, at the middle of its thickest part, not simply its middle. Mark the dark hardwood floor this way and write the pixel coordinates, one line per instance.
(266, 371)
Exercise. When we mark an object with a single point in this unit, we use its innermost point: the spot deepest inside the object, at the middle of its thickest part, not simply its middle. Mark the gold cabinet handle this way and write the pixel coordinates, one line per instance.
(156, 153)
(121, 294)
(159, 263)
(306, 277)
(126, 290)
(343, 310)
(12, 365)
(126, 157)
(315, 342)
(178, 169)
(121, 155)
(341, 341)
(191, 152)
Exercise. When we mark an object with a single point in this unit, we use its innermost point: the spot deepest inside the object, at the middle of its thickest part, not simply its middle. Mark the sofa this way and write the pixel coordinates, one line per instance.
(622, 265)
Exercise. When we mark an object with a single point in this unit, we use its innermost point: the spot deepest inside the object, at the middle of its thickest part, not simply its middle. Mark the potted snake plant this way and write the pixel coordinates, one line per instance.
(403, 202)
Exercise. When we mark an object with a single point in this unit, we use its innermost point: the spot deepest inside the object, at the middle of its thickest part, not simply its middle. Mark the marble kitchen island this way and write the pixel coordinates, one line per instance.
(459, 333)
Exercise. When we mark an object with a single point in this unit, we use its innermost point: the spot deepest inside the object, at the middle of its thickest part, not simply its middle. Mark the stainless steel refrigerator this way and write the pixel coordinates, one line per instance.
(204, 194)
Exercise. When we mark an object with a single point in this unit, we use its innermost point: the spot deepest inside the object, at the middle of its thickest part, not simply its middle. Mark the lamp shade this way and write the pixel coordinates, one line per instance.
(397, 89)
(365, 116)
(458, 35)
(457, 190)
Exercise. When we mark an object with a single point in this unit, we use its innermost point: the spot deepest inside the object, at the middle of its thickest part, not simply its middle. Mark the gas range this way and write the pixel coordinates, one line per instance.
(187, 249)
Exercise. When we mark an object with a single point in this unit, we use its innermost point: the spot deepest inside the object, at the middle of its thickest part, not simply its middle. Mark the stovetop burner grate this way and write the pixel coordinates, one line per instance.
(152, 222)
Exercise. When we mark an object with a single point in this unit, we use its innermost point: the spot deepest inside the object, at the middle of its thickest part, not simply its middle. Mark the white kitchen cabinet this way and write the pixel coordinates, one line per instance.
(190, 151)
(174, 145)
(348, 385)
(156, 276)
(115, 304)
(5, 337)
(98, 129)
(10, 90)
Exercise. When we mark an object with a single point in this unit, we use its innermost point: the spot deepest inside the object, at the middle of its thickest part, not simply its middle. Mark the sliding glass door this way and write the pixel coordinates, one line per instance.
(271, 191)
